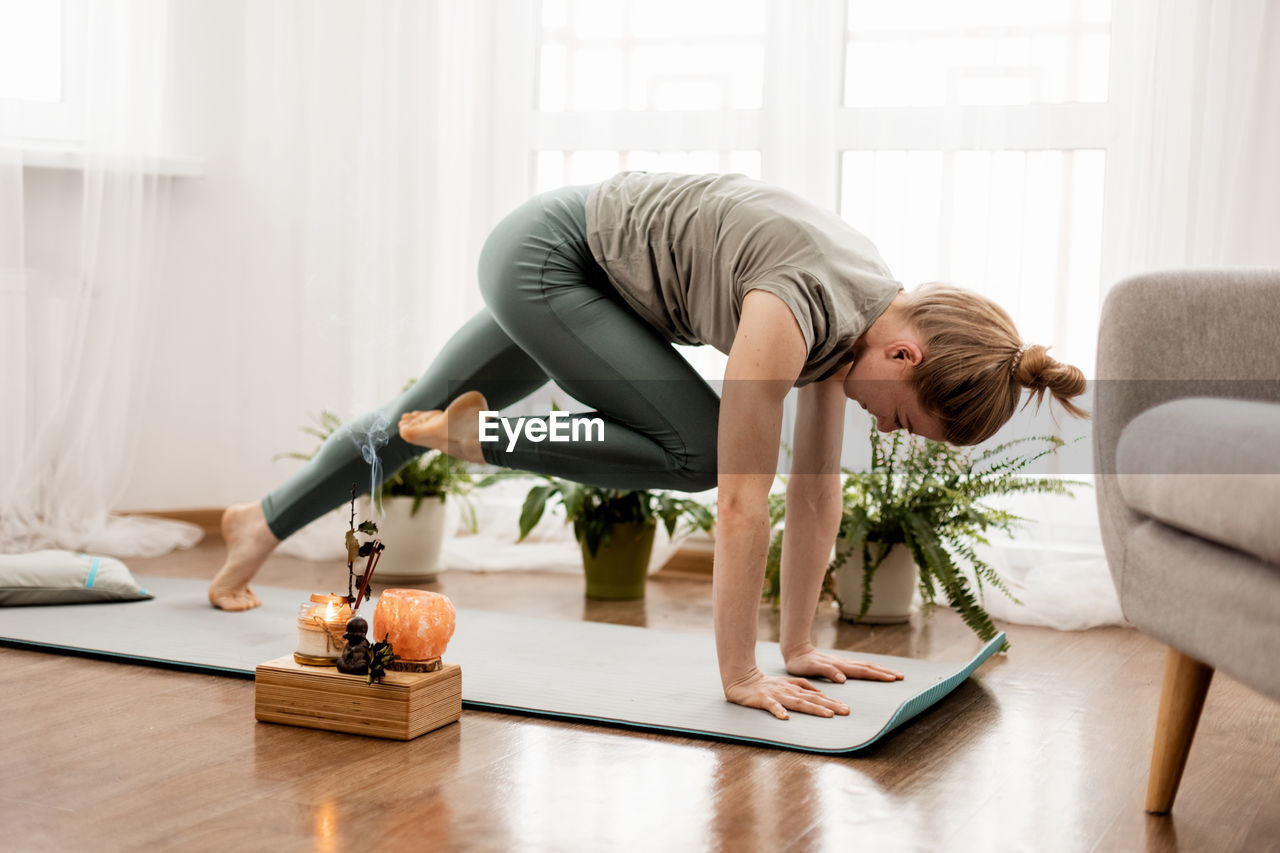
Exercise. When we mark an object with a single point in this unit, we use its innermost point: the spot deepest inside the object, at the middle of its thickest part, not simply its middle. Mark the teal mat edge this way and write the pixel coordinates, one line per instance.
(167, 663)
(932, 695)
(909, 709)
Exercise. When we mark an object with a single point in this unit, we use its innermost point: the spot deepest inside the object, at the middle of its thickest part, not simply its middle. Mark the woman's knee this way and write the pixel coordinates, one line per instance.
(695, 479)
(697, 470)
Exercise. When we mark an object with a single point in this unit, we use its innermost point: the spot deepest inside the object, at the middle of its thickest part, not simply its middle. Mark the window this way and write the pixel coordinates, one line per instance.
(30, 51)
(973, 149)
(652, 85)
(603, 55)
(39, 58)
(968, 141)
(1023, 226)
(988, 52)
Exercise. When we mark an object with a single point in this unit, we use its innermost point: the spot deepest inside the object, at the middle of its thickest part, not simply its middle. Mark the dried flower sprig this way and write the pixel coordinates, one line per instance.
(371, 549)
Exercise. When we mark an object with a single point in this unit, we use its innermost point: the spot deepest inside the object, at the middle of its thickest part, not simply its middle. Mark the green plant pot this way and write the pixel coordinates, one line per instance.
(618, 570)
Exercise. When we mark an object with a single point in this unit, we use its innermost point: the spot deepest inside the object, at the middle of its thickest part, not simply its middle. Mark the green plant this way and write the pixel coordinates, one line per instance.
(929, 497)
(594, 511)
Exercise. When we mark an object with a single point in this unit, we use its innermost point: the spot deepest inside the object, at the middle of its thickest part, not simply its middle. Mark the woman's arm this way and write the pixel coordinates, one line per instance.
(813, 508)
(814, 504)
(767, 355)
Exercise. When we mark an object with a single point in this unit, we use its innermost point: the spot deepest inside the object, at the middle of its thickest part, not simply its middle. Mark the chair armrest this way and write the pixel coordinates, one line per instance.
(1169, 335)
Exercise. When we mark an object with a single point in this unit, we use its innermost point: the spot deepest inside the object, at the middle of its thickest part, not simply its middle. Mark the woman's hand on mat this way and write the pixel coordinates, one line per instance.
(778, 694)
(837, 668)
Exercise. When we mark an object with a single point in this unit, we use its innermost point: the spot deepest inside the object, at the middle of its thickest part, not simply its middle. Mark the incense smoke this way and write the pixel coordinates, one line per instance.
(368, 441)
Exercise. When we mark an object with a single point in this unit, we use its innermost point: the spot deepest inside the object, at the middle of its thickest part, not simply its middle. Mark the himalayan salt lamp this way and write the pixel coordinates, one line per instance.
(418, 624)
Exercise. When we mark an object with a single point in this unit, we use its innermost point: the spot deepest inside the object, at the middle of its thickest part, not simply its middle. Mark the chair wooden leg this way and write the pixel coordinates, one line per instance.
(1186, 681)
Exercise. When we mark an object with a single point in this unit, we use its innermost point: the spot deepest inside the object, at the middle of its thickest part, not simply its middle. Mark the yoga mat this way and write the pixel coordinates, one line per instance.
(586, 671)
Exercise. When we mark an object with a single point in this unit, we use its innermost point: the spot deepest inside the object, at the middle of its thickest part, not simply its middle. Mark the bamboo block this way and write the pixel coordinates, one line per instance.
(403, 706)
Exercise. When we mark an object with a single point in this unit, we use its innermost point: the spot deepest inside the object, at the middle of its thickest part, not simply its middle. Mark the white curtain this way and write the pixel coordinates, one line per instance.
(170, 338)
(1196, 182)
(365, 147)
(1199, 161)
(361, 170)
(79, 269)
(185, 327)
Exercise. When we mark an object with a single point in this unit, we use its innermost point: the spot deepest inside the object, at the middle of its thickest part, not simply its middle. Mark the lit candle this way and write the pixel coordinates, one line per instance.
(418, 623)
(321, 622)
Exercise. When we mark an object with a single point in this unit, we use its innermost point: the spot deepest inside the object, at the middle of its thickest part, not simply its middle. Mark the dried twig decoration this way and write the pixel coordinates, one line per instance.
(371, 549)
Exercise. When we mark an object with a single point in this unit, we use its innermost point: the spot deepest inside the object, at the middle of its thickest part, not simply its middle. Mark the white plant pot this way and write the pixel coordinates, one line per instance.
(892, 586)
(412, 555)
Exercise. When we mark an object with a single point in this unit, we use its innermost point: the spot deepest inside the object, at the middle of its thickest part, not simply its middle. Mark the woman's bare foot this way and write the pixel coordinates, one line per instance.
(249, 543)
(432, 429)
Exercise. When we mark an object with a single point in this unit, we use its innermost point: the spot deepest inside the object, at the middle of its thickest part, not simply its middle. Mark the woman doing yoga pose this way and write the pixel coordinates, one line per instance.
(590, 286)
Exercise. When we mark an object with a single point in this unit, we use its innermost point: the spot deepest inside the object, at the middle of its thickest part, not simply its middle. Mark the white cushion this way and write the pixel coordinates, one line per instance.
(65, 577)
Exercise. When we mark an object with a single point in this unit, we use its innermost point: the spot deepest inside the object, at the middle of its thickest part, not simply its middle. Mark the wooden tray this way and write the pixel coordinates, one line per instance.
(403, 706)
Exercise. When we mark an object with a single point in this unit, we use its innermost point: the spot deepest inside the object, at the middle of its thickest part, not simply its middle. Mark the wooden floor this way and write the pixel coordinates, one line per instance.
(1044, 750)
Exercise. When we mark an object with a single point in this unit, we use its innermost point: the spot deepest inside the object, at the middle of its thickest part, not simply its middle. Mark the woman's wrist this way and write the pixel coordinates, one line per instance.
(737, 676)
(791, 651)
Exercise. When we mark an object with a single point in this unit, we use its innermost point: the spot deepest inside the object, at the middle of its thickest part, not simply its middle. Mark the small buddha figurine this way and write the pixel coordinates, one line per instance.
(354, 659)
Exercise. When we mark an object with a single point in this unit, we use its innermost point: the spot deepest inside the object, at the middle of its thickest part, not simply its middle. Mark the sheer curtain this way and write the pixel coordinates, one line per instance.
(80, 253)
(1198, 180)
(165, 336)
(370, 149)
(1193, 180)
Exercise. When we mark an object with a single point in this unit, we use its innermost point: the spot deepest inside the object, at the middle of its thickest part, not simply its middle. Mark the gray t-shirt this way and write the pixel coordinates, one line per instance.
(683, 251)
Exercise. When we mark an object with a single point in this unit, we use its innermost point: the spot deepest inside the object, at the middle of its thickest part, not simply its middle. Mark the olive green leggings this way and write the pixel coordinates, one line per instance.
(552, 314)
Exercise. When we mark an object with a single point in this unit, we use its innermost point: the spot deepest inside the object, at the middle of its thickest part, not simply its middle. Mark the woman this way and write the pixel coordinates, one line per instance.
(590, 286)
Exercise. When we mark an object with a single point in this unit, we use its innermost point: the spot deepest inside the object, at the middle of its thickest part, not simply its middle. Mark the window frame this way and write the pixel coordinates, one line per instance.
(802, 140)
(53, 124)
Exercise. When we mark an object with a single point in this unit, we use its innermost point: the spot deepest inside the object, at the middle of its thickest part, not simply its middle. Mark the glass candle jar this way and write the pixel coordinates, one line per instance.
(321, 623)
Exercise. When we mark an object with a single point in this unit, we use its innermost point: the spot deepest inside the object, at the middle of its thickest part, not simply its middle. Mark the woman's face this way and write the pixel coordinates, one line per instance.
(880, 381)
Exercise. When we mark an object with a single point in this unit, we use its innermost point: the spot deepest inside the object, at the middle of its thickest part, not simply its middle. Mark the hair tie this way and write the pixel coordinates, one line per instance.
(1017, 359)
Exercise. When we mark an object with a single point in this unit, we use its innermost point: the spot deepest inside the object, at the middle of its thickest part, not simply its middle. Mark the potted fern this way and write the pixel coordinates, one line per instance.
(615, 530)
(413, 507)
(911, 521)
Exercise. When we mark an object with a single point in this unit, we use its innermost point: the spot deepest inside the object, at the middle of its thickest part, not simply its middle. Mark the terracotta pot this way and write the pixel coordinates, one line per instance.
(412, 555)
(620, 567)
(892, 586)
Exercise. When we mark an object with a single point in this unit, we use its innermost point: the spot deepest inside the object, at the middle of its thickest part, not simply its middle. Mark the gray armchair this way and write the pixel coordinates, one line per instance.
(1187, 453)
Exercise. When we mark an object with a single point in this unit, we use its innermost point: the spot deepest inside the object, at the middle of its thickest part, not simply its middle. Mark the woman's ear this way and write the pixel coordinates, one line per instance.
(906, 350)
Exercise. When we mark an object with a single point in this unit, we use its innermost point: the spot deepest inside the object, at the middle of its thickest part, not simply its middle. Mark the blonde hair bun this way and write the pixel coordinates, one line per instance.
(1039, 372)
